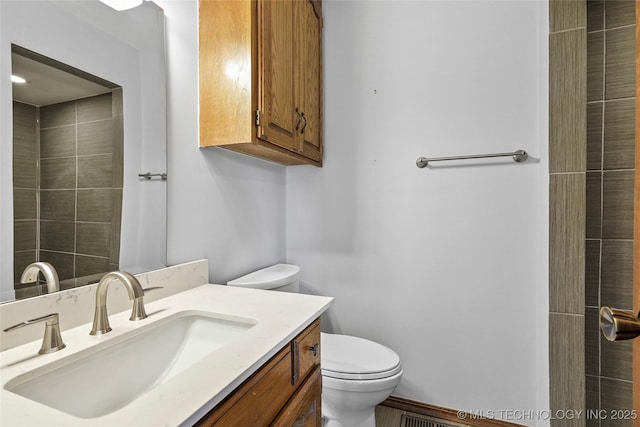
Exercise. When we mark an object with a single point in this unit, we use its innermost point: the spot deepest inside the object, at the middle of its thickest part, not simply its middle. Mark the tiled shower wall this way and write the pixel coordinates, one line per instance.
(611, 48)
(591, 161)
(25, 187)
(80, 180)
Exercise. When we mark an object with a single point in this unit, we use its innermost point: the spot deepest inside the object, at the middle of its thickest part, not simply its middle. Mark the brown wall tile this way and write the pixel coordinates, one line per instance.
(616, 395)
(93, 239)
(86, 265)
(616, 277)
(25, 204)
(567, 102)
(94, 108)
(116, 231)
(25, 146)
(619, 134)
(592, 273)
(21, 260)
(592, 341)
(595, 111)
(58, 205)
(24, 173)
(58, 173)
(118, 138)
(63, 263)
(567, 363)
(24, 235)
(57, 236)
(594, 205)
(25, 130)
(58, 114)
(58, 142)
(595, 66)
(95, 205)
(620, 13)
(593, 399)
(620, 69)
(567, 243)
(595, 15)
(567, 14)
(95, 171)
(616, 359)
(95, 137)
(617, 205)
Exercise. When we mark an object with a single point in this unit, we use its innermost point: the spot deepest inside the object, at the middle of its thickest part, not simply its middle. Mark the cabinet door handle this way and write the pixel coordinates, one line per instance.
(299, 119)
(314, 349)
(305, 122)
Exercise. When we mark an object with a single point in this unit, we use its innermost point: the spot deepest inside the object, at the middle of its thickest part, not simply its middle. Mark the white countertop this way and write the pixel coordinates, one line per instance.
(184, 399)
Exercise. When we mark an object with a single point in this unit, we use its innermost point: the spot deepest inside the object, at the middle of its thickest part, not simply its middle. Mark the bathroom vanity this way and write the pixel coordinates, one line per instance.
(258, 364)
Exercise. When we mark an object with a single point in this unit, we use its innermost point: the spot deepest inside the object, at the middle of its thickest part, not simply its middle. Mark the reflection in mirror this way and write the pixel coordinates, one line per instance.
(67, 171)
(99, 215)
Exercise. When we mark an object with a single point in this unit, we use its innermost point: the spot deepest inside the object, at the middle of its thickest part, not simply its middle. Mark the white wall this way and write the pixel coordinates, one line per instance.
(223, 206)
(446, 265)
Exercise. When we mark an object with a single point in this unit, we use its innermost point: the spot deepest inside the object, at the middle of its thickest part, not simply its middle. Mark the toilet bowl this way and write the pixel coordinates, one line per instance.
(357, 374)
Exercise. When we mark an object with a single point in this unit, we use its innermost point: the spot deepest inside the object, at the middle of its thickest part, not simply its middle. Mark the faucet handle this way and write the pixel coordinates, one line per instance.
(52, 340)
(152, 288)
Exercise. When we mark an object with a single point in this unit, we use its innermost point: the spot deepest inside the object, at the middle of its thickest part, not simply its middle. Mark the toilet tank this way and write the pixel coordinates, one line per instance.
(279, 277)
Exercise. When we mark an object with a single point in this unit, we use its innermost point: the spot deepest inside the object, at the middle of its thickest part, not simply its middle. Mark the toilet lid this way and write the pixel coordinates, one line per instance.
(355, 358)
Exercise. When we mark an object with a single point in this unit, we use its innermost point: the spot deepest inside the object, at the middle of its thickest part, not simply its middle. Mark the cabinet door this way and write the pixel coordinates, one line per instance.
(304, 408)
(309, 77)
(277, 73)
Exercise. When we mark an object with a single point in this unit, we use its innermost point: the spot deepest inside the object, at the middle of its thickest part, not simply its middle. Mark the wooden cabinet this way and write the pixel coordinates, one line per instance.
(260, 64)
(286, 391)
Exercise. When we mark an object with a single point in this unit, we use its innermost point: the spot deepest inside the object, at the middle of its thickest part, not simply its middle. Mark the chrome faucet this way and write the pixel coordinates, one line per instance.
(30, 274)
(136, 293)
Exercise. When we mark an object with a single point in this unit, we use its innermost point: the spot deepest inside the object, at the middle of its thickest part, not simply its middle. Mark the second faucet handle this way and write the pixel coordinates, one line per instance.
(52, 340)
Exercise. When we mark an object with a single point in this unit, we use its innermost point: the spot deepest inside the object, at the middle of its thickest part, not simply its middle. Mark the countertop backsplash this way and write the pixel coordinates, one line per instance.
(76, 306)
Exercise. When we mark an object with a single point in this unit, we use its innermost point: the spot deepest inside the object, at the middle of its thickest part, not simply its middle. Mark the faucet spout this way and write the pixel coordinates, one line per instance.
(136, 294)
(30, 274)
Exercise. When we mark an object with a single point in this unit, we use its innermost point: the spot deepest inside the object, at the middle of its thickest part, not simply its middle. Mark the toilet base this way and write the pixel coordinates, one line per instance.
(361, 418)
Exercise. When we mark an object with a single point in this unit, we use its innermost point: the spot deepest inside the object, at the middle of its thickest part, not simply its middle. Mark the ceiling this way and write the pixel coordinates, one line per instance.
(47, 84)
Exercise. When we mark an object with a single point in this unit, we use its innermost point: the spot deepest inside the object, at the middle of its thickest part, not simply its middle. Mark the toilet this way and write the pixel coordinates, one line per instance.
(357, 374)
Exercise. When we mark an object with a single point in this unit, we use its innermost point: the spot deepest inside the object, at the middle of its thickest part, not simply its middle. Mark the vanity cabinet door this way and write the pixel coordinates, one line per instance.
(274, 395)
(259, 399)
(303, 410)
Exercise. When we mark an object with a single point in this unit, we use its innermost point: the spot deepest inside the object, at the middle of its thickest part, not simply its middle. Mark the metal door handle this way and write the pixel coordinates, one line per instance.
(299, 119)
(617, 325)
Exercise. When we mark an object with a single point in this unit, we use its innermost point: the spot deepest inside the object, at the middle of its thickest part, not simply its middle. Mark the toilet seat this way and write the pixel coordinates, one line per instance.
(353, 358)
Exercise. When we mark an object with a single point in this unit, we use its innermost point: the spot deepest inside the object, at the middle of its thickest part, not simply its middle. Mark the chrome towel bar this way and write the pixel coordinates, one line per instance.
(149, 175)
(518, 156)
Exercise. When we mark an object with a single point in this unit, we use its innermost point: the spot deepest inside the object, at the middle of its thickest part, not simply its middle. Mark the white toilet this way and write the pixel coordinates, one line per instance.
(357, 374)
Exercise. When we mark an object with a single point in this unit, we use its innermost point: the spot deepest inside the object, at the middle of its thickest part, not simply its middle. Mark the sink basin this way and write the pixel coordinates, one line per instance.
(104, 378)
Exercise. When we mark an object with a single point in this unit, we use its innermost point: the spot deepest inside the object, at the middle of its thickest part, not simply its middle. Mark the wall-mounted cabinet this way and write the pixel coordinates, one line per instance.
(261, 78)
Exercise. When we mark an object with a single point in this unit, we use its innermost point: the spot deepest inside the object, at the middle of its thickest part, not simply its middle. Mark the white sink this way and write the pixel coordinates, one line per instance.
(110, 375)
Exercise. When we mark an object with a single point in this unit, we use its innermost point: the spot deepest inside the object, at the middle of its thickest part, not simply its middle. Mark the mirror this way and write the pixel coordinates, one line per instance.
(77, 227)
